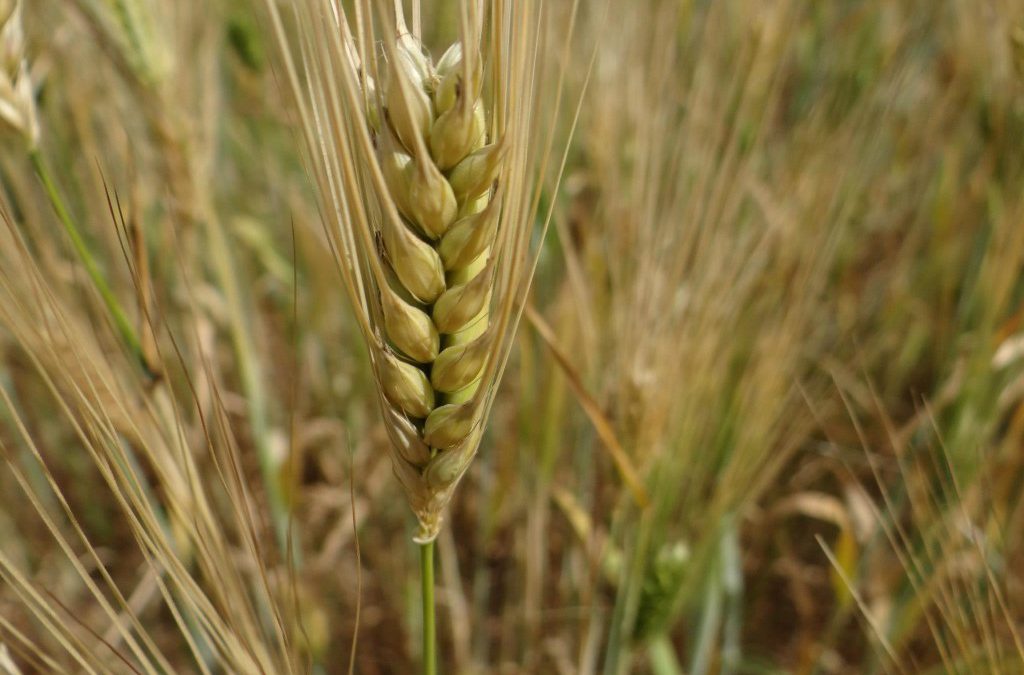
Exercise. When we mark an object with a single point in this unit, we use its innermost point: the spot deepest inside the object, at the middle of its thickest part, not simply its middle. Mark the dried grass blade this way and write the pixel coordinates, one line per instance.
(590, 406)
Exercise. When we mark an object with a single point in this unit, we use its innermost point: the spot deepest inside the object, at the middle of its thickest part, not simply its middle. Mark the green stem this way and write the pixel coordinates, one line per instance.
(251, 377)
(662, 657)
(429, 628)
(124, 326)
(707, 631)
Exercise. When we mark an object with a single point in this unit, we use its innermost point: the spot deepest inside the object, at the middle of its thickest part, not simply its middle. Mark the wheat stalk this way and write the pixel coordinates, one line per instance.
(17, 103)
(425, 182)
(424, 172)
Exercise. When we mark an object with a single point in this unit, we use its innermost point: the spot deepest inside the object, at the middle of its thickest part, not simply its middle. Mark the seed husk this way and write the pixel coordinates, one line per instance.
(405, 437)
(456, 133)
(448, 425)
(459, 304)
(430, 198)
(408, 104)
(474, 175)
(451, 80)
(395, 165)
(469, 237)
(448, 466)
(415, 262)
(406, 386)
(458, 365)
(410, 329)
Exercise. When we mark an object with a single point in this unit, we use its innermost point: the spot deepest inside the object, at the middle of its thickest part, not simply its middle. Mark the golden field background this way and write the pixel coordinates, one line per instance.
(765, 413)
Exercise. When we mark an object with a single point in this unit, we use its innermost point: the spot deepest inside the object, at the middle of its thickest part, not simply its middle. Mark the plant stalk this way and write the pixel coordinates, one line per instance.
(124, 326)
(429, 626)
(662, 656)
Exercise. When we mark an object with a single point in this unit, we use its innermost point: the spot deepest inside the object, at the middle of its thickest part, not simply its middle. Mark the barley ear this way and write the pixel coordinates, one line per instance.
(425, 175)
(17, 98)
(438, 172)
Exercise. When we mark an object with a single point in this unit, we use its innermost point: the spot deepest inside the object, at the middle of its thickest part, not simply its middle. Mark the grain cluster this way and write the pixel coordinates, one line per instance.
(442, 173)
(17, 102)
(427, 177)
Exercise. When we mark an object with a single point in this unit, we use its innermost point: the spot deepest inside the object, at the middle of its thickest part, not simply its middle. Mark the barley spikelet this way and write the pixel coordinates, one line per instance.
(424, 173)
(433, 135)
(440, 168)
(139, 32)
(17, 102)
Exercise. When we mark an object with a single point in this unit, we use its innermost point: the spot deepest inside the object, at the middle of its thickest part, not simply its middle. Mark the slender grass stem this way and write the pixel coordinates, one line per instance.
(251, 376)
(121, 322)
(662, 657)
(429, 627)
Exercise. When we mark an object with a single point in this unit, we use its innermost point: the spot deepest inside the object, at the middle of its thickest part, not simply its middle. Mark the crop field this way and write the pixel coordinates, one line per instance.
(521, 337)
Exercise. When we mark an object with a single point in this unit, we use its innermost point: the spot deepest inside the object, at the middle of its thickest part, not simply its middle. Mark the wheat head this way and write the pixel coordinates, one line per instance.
(441, 176)
(424, 171)
(17, 102)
